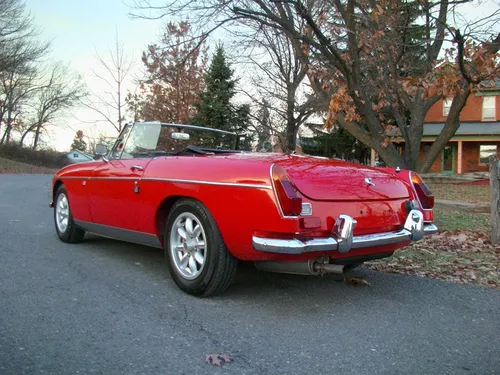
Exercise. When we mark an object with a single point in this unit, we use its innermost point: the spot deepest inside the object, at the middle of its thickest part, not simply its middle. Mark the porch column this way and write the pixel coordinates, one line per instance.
(459, 157)
(372, 158)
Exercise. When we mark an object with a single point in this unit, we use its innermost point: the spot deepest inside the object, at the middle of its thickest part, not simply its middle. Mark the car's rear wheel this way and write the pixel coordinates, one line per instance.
(66, 229)
(197, 257)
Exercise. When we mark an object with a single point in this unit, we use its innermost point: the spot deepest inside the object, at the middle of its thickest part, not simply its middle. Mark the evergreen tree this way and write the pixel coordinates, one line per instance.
(215, 109)
(78, 142)
(337, 144)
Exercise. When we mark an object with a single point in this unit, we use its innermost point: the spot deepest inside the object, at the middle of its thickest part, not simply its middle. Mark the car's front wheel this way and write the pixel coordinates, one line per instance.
(197, 257)
(66, 229)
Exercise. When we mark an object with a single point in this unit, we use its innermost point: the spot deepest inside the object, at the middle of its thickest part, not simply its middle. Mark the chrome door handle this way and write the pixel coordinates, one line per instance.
(137, 168)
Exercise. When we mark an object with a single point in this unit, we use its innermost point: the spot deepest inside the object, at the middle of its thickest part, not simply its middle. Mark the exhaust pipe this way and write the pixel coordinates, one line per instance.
(312, 267)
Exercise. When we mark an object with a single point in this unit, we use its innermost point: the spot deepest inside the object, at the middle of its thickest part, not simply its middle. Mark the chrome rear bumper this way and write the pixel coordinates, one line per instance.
(343, 240)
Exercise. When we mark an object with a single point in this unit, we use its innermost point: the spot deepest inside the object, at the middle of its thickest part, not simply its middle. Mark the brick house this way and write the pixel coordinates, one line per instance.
(476, 139)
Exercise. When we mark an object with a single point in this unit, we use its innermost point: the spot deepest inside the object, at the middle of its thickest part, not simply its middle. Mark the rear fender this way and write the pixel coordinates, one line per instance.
(404, 175)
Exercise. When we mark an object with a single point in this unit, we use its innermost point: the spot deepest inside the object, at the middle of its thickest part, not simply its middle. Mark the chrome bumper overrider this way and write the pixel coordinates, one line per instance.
(343, 240)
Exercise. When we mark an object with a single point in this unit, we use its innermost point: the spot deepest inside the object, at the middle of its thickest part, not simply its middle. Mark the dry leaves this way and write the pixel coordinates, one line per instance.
(218, 359)
(355, 281)
(464, 257)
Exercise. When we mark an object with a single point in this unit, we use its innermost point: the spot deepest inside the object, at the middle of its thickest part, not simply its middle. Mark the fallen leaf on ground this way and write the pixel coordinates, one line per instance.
(356, 281)
(226, 357)
(216, 359)
(460, 256)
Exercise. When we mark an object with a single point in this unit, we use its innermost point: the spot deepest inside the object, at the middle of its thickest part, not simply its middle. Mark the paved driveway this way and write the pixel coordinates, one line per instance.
(107, 307)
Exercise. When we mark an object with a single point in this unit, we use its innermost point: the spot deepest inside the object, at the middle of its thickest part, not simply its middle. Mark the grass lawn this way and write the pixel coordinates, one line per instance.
(11, 166)
(452, 220)
(461, 192)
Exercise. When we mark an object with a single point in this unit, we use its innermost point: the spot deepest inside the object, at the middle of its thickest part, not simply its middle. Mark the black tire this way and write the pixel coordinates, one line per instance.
(219, 266)
(71, 233)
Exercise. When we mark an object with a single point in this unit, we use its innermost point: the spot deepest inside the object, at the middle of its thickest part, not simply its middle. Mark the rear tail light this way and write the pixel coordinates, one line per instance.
(288, 196)
(423, 193)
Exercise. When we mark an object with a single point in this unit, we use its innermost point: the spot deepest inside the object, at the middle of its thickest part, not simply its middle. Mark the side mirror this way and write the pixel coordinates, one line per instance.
(101, 150)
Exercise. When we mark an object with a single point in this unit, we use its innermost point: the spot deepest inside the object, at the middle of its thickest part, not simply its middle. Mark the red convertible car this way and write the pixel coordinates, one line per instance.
(187, 190)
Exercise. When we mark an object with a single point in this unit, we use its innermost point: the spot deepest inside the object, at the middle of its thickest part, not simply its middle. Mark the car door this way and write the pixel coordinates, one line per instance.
(115, 185)
(114, 193)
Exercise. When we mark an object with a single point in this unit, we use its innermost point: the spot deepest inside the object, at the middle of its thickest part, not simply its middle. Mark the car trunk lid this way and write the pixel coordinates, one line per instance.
(335, 180)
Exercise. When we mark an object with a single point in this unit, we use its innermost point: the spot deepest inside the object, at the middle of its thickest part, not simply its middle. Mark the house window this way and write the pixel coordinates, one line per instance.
(488, 108)
(75, 155)
(446, 106)
(485, 151)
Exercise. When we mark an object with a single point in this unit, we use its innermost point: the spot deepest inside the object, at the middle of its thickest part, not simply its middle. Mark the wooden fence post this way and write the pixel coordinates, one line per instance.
(494, 165)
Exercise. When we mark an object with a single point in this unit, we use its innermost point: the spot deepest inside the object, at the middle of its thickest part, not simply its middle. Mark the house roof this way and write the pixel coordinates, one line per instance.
(466, 128)
(81, 153)
(492, 84)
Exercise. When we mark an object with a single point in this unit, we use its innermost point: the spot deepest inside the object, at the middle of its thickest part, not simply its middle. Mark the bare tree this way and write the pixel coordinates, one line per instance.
(378, 64)
(20, 53)
(283, 93)
(16, 26)
(57, 92)
(261, 124)
(16, 86)
(110, 103)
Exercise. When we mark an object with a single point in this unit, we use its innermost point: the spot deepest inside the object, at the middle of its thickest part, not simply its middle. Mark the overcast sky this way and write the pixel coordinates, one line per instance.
(79, 28)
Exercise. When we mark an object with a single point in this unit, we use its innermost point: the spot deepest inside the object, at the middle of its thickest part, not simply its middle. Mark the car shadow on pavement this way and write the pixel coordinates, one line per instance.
(253, 284)
(123, 250)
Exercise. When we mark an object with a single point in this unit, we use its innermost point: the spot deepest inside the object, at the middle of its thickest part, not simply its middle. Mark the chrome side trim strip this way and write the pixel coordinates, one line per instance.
(74, 178)
(115, 178)
(342, 239)
(99, 178)
(115, 233)
(174, 180)
(235, 184)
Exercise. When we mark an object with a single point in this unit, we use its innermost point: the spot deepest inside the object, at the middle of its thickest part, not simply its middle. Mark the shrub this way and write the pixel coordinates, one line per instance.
(44, 158)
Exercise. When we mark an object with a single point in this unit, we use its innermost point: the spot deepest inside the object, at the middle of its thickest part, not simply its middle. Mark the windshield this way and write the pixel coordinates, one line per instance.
(155, 139)
(203, 138)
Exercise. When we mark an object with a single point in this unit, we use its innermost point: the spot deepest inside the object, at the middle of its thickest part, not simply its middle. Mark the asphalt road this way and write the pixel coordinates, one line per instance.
(107, 307)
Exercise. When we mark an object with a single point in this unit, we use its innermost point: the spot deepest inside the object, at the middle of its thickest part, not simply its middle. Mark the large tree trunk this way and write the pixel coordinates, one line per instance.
(2, 141)
(449, 129)
(6, 134)
(37, 136)
(291, 125)
(415, 131)
(21, 142)
(291, 137)
(386, 150)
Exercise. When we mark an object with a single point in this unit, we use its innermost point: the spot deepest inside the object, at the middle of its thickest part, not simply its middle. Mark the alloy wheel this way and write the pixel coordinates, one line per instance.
(188, 245)
(62, 213)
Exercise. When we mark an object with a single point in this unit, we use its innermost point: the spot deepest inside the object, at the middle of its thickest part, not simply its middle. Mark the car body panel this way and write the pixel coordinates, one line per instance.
(130, 199)
(76, 179)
